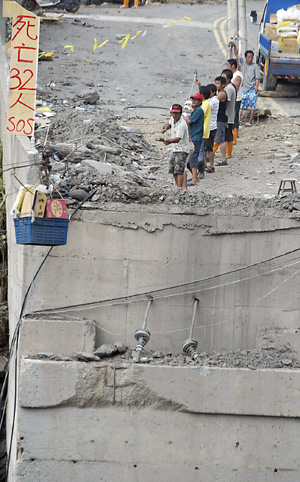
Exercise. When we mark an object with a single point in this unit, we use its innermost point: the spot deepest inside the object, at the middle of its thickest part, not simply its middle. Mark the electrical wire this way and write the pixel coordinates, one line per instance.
(172, 295)
(93, 322)
(20, 166)
(161, 290)
(256, 301)
(15, 338)
(14, 346)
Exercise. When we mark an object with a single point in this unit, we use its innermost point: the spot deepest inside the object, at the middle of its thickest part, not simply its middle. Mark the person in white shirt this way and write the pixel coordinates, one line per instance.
(237, 80)
(179, 142)
(209, 143)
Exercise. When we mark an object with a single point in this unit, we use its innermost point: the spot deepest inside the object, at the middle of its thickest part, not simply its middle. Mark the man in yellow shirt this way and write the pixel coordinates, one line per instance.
(205, 92)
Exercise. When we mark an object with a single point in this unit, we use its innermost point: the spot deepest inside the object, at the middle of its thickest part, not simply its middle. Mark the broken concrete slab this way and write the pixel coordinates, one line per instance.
(101, 167)
(197, 390)
(106, 350)
(52, 383)
(87, 97)
(85, 356)
(60, 337)
(79, 194)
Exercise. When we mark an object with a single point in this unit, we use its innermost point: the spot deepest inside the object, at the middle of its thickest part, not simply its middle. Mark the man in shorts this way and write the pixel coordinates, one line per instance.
(179, 142)
(221, 120)
(251, 78)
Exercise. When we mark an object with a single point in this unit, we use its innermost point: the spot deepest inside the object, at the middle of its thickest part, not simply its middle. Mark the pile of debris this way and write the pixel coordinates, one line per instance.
(254, 359)
(101, 156)
(95, 155)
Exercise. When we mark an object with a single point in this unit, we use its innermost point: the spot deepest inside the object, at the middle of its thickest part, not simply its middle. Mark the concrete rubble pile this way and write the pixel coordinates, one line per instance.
(118, 354)
(100, 155)
(116, 163)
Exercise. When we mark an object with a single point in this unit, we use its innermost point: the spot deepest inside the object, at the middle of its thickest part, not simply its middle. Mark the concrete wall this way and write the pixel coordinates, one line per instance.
(114, 253)
(142, 423)
(72, 423)
(17, 152)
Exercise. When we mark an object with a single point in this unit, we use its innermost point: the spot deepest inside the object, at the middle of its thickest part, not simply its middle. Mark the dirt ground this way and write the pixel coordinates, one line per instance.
(261, 158)
(94, 119)
(132, 167)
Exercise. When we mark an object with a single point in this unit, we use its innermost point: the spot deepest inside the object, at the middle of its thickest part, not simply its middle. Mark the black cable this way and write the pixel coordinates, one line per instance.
(21, 166)
(160, 290)
(4, 410)
(14, 408)
(16, 330)
(15, 341)
(82, 202)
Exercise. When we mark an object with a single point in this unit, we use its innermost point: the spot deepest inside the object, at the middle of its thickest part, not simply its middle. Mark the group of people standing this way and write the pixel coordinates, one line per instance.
(214, 121)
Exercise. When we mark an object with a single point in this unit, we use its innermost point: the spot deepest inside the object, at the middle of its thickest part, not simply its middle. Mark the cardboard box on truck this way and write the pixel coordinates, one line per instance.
(290, 46)
(270, 31)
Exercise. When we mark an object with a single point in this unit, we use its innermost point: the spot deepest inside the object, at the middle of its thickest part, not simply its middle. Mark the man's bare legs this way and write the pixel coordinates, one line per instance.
(211, 159)
(194, 175)
(251, 116)
(223, 147)
(179, 179)
(184, 184)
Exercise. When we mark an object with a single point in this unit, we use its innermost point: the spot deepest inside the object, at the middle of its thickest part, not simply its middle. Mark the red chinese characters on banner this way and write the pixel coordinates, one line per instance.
(23, 73)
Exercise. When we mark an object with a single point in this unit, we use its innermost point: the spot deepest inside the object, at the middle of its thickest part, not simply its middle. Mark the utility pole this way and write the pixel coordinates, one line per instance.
(242, 23)
(232, 22)
(237, 24)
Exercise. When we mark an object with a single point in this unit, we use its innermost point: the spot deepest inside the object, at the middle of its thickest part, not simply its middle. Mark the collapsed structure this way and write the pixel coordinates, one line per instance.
(145, 272)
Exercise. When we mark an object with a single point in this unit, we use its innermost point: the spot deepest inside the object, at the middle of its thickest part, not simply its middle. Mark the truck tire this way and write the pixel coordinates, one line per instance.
(73, 7)
(269, 82)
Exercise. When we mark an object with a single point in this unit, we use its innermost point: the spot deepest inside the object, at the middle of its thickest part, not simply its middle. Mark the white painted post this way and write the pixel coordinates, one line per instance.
(232, 22)
(242, 32)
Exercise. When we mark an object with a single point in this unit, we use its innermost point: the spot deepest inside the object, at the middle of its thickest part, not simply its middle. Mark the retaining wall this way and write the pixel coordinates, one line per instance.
(72, 422)
(142, 423)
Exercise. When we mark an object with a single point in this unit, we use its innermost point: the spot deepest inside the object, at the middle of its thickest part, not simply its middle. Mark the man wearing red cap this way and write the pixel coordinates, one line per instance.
(179, 142)
(195, 123)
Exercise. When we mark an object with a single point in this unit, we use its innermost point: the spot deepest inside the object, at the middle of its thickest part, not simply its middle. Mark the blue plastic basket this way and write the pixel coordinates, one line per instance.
(43, 231)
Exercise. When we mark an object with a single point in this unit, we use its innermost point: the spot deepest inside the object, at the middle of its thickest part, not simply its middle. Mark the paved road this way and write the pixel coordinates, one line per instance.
(162, 47)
